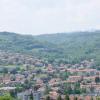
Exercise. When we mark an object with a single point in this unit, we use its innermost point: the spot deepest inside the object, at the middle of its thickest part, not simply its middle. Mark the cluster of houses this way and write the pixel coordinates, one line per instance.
(46, 79)
(7, 58)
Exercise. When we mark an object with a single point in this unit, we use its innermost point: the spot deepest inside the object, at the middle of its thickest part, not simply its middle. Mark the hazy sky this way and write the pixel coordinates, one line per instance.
(49, 16)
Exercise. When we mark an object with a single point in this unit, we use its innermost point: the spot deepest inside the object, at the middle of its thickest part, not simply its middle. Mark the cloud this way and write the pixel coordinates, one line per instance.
(49, 16)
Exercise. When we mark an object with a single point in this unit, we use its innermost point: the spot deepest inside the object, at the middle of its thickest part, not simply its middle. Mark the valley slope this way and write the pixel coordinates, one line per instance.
(61, 47)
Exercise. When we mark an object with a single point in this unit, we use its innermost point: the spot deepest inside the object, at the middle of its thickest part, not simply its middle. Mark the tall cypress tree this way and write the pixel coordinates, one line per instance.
(75, 98)
(47, 98)
(67, 97)
(59, 97)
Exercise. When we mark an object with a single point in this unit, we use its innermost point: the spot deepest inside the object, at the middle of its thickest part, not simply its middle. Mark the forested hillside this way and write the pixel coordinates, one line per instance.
(60, 47)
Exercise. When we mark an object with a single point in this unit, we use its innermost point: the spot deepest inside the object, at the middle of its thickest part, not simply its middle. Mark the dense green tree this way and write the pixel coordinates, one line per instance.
(47, 89)
(13, 93)
(69, 90)
(7, 98)
(92, 98)
(47, 98)
(75, 98)
(31, 96)
(59, 97)
(77, 91)
(98, 98)
(83, 90)
(67, 97)
(5, 70)
(97, 79)
(27, 84)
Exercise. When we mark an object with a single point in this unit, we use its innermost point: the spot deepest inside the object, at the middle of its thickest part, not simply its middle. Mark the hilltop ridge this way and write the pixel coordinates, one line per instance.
(69, 48)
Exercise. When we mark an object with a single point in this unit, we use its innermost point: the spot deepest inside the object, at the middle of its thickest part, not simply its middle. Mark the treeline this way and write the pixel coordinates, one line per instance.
(66, 48)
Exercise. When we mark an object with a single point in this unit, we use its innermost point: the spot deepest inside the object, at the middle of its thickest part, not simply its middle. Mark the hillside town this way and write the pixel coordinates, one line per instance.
(28, 78)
